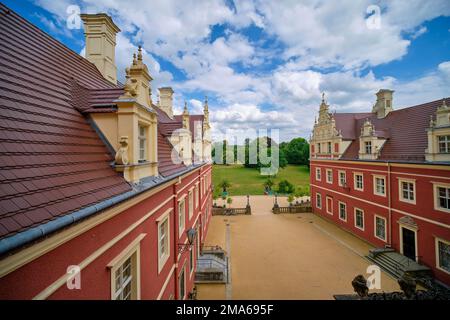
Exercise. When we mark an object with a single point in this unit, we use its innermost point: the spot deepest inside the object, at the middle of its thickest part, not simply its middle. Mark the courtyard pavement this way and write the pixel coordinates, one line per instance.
(286, 256)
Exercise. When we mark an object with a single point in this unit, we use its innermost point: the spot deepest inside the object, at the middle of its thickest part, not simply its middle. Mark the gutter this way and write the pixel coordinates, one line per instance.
(20, 239)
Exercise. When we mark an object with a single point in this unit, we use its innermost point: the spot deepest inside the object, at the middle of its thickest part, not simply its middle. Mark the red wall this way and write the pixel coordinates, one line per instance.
(32, 278)
(374, 204)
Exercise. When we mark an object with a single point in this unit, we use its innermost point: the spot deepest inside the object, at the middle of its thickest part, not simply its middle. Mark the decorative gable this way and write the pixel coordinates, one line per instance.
(439, 135)
(370, 143)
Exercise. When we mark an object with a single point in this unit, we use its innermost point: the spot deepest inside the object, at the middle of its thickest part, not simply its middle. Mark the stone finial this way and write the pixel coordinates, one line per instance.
(185, 110)
(444, 105)
(185, 116)
(139, 57)
(431, 121)
(134, 59)
(323, 97)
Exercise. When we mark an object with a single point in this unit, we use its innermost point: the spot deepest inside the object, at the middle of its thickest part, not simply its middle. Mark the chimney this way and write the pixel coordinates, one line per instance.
(165, 100)
(100, 35)
(384, 103)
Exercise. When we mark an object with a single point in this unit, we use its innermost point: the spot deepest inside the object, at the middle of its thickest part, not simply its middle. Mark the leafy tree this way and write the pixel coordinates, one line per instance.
(229, 201)
(296, 151)
(269, 183)
(290, 198)
(285, 187)
(224, 184)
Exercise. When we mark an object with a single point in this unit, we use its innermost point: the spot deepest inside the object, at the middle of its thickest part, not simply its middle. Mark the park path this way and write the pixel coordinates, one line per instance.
(286, 256)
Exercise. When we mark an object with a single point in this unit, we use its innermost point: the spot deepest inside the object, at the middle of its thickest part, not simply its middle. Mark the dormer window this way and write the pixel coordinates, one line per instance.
(142, 143)
(368, 147)
(329, 147)
(444, 144)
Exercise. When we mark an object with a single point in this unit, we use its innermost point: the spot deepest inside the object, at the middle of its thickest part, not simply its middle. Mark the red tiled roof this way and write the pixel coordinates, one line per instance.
(52, 162)
(405, 130)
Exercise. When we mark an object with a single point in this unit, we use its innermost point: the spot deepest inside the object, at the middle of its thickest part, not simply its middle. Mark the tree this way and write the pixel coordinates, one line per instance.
(296, 151)
(285, 187)
(229, 201)
(268, 184)
(290, 199)
(224, 184)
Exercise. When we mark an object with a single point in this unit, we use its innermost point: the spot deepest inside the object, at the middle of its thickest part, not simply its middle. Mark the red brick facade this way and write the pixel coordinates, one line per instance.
(427, 224)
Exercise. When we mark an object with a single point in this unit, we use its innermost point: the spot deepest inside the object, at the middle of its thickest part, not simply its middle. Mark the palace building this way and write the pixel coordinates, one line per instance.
(103, 194)
(384, 176)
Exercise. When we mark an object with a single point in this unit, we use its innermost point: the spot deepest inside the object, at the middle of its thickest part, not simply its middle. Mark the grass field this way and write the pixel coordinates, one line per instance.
(249, 181)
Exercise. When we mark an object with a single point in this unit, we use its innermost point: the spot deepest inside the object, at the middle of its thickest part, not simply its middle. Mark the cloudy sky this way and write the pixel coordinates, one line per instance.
(264, 64)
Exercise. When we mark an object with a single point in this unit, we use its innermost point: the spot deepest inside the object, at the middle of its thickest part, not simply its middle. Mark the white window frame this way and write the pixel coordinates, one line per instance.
(368, 145)
(183, 270)
(339, 206)
(132, 250)
(363, 222)
(191, 260)
(438, 262)
(181, 216)
(318, 195)
(436, 186)
(326, 205)
(375, 191)
(145, 142)
(319, 174)
(375, 227)
(191, 203)
(446, 143)
(196, 196)
(329, 171)
(355, 183)
(339, 178)
(163, 257)
(400, 190)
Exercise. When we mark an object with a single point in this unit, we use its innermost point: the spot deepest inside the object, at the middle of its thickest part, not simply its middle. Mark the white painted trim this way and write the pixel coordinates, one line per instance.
(132, 249)
(180, 230)
(375, 177)
(163, 260)
(387, 208)
(436, 185)
(400, 190)
(326, 205)
(401, 226)
(326, 176)
(319, 177)
(339, 177)
(354, 181)
(320, 196)
(375, 216)
(339, 211)
(166, 283)
(436, 246)
(363, 219)
(183, 270)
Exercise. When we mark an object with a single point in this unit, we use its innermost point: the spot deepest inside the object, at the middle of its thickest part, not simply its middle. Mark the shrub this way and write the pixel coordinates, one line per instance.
(285, 187)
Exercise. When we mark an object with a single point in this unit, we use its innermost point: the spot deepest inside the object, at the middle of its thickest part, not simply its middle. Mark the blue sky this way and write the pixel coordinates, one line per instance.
(264, 64)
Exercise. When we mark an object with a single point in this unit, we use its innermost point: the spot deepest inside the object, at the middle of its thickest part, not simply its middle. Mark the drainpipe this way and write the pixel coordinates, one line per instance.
(389, 204)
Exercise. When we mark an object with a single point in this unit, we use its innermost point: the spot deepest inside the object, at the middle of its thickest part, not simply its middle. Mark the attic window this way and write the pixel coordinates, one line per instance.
(368, 147)
(142, 143)
(329, 147)
(444, 144)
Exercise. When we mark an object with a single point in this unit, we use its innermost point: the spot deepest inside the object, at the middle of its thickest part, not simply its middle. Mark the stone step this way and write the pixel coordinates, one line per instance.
(387, 267)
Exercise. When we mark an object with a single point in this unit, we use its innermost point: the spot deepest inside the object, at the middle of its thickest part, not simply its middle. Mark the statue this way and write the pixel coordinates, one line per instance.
(130, 86)
(408, 286)
(122, 153)
(359, 284)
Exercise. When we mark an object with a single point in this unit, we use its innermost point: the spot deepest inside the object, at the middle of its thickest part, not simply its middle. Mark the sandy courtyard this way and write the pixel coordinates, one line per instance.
(286, 256)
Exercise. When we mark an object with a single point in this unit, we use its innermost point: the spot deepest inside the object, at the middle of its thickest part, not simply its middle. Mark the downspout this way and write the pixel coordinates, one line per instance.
(389, 204)
(175, 242)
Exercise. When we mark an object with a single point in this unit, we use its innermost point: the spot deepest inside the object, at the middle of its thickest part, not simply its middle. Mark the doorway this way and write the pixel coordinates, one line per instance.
(409, 243)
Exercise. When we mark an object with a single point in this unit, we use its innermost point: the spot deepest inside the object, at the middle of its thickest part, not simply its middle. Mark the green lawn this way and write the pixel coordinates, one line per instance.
(249, 181)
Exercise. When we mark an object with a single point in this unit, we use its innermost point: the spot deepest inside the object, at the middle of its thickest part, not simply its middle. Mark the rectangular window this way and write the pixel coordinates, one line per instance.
(359, 218)
(329, 147)
(181, 216)
(318, 174)
(379, 186)
(443, 255)
(329, 176)
(342, 179)
(407, 191)
(142, 143)
(444, 144)
(191, 204)
(319, 200)
(163, 242)
(191, 259)
(329, 204)
(318, 148)
(342, 211)
(359, 184)
(182, 284)
(380, 228)
(443, 200)
(368, 147)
